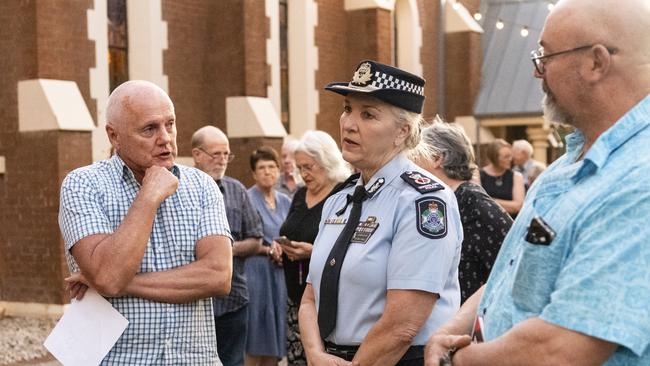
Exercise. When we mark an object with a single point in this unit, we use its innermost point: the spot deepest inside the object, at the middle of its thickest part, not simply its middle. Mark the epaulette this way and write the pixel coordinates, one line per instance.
(421, 183)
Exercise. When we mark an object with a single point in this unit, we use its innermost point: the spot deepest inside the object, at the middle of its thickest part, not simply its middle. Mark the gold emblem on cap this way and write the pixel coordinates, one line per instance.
(363, 74)
(332, 262)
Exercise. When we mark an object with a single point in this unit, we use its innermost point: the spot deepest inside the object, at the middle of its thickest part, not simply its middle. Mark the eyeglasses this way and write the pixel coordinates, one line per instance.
(539, 58)
(307, 168)
(219, 155)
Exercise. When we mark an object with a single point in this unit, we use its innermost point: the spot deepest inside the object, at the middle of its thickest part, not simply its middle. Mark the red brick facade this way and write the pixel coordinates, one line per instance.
(40, 40)
(216, 50)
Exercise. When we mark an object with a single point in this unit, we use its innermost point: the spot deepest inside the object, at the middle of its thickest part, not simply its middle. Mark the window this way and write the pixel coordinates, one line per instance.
(118, 62)
(284, 64)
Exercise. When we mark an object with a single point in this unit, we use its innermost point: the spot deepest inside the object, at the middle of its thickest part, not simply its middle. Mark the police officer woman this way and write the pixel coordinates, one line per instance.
(384, 267)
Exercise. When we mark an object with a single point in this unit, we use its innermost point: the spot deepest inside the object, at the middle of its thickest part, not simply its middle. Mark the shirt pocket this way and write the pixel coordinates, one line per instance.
(539, 264)
(184, 233)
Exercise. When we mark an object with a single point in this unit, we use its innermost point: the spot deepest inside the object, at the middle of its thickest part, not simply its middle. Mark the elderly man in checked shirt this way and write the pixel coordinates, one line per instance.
(149, 235)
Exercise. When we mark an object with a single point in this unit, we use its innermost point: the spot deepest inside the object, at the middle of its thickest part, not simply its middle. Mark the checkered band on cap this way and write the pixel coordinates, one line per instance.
(387, 83)
(383, 81)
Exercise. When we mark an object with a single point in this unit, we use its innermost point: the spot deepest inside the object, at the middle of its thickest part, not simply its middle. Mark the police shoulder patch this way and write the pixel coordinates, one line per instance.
(431, 217)
(421, 183)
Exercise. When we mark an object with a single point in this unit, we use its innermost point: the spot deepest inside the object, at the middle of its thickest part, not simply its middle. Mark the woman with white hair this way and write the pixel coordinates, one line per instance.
(384, 268)
(485, 222)
(320, 167)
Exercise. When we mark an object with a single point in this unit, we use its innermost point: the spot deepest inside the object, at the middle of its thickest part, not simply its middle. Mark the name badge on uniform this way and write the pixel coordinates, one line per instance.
(336, 221)
(364, 230)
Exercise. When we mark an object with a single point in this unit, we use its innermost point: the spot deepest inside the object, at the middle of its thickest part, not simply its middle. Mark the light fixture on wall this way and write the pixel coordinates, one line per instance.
(524, 32)
(500, 24)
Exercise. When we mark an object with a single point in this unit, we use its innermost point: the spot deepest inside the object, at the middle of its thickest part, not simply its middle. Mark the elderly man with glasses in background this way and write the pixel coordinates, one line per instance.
(211, 154)
(571, 284)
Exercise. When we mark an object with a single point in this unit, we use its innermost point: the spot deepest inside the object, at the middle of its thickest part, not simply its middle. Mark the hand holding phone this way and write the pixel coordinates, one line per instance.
(283, 240)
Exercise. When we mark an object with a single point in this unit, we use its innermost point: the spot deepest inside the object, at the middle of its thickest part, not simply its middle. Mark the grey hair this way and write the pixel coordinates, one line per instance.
(523, 145)
(449, 142)
(321, 147)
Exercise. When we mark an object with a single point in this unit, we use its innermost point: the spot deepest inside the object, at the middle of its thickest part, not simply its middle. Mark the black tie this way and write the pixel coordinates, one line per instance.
(329, 284)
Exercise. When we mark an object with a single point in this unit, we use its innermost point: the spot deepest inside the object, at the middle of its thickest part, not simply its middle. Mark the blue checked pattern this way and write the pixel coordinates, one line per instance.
(94, 200)
(594, 277)
(383, 81)
(244, 223)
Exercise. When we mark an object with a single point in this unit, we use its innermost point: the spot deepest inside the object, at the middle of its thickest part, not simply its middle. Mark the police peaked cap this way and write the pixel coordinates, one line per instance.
(389, 84)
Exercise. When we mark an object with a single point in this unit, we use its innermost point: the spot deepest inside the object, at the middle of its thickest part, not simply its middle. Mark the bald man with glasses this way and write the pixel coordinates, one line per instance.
(211, 154)
(571, 284)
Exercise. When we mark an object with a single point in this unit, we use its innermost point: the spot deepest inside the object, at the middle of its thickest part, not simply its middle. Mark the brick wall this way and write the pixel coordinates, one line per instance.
(429, 21)
(331, 40)
(462, 73)
(217, 49)
(50, 41)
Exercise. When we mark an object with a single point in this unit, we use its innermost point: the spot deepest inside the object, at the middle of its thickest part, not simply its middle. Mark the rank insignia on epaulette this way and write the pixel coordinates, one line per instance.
(431, 217)
(421, 183)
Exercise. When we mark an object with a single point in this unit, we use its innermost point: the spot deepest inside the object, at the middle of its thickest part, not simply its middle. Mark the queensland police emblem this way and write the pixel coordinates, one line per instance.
(363, 75)
(431, 217)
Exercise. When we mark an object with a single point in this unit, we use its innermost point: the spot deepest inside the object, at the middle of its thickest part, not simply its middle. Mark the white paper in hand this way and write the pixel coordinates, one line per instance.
(87, 331)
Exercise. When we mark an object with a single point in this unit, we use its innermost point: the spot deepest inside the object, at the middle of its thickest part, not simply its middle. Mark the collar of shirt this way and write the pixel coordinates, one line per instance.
(127, 173)
(634, 121)
(393, 169)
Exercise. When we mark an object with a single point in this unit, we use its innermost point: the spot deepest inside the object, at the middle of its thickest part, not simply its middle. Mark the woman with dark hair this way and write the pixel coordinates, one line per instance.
(485, 223)
(500, 181)
(265, 343)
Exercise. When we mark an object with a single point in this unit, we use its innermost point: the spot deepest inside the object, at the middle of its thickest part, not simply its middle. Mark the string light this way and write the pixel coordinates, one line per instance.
(525, 29)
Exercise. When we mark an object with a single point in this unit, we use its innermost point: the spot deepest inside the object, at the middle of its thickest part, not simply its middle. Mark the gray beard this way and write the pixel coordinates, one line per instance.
(554, 113)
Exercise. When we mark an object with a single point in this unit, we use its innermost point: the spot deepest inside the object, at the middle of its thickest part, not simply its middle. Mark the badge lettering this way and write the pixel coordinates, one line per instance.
(364, 230)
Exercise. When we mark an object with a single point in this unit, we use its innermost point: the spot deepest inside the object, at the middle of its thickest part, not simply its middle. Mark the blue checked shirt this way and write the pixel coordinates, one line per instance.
(94, 200)
(244, 223)
(594, 277)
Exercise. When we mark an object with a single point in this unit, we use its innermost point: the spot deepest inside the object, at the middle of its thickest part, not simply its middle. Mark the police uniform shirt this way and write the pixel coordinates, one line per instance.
(405, 240)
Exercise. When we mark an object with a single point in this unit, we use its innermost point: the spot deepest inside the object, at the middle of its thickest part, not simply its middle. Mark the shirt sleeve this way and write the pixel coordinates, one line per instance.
(418, 262)
(213, 219)
(603, 288)
(81, 213)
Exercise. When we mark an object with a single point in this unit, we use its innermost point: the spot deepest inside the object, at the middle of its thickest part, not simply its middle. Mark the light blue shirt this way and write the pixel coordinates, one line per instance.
(395, 256)
(594, 277)
(94, 200)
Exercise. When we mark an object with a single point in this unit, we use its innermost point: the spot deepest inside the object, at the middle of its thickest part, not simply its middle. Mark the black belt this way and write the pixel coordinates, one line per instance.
(347, 352)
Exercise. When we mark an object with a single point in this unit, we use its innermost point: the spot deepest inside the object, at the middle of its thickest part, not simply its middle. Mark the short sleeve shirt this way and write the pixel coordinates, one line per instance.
(94, 200)
(594, 277)
(394, 256)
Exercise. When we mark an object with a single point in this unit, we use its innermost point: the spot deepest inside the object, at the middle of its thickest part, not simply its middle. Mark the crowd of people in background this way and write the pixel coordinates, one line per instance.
(415, 258)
